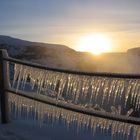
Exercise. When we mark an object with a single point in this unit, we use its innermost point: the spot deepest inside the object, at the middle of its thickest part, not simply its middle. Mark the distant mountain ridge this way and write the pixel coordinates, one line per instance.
(51, 55)
(13, 41)
(134, 51)
(63, 57)
(22, 43)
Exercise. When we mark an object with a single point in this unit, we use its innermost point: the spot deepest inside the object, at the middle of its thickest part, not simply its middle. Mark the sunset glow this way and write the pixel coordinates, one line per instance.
(94, 43)
(67, 21)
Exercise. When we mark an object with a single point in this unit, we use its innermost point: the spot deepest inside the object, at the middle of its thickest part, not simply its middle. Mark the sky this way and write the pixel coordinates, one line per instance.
(65, 21)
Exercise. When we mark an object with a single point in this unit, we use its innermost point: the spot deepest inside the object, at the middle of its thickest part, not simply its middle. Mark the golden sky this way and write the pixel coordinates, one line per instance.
(66, 21)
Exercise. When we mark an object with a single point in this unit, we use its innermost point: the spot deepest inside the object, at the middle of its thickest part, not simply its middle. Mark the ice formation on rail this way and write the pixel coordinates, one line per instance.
(115, 95)
(105, 94)
(22, 107)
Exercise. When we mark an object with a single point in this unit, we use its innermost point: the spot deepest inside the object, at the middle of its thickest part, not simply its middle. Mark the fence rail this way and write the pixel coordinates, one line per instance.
(111, 75)
(4, 58)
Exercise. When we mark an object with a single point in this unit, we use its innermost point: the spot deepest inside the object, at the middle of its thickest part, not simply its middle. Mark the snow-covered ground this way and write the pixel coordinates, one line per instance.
(28, 130)
(25, 130)
(20, 130)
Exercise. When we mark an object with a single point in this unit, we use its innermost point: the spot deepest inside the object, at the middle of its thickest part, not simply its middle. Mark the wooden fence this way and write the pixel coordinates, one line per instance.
(5, 88)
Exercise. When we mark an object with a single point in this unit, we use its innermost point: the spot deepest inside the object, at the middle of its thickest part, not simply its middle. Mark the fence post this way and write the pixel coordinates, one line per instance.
(3, 93)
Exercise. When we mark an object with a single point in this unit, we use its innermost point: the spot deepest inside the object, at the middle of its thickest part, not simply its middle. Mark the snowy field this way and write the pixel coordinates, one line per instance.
(25, 130)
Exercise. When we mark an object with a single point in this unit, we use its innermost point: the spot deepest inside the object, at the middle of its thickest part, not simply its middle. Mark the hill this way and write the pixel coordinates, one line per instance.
(63, 57)
(51, 55)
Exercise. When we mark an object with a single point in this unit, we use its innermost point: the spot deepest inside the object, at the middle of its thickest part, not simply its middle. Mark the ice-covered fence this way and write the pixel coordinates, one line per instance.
(76, 96)
(104, 93)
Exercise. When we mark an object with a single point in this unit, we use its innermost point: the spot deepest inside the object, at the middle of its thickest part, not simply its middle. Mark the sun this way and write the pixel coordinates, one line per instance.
(94, 43)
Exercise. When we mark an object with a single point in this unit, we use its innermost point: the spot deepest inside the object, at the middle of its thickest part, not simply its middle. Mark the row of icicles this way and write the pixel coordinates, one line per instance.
(25, 108)
(116, 95)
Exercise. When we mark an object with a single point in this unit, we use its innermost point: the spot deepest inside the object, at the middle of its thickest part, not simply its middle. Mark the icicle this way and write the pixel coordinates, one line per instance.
(134, 92)
(16, 73)
(114, 110)
(129, 112)
(119, 110)
(105, 91)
